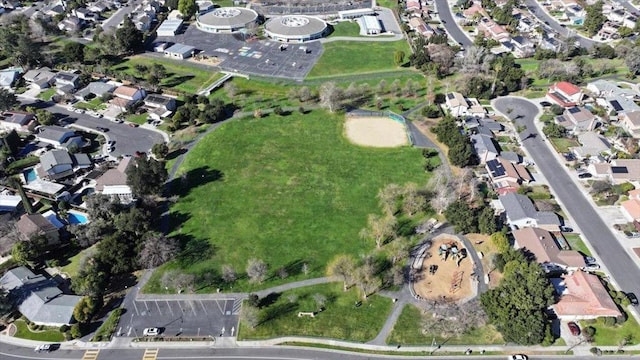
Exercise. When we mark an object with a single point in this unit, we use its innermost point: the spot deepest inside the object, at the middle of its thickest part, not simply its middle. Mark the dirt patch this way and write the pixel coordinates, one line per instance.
(376, 132)
(449, 282)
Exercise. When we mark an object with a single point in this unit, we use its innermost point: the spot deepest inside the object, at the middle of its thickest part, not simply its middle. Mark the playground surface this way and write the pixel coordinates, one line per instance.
(375, 131)
(449, 282)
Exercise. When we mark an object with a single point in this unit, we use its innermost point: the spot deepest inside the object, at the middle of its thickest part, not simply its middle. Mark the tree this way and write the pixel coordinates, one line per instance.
(228, 273)
(460, 215)
(595, 18)
(343, 267)
(487, 221)
(256, 270)
(85, 309)
(517, 306)
(8, 100)
(554, 130)
(23, 253)
(398, 57)
(330, 96)
(366, 278)
(73, 52)
(379, 228)
(156, 250)
(501, 242)
(187, 8)
(91, 279)
(44, 117)
(146, 176)
(160, 150)
(128, 37)
(251, 316)
(441, 199)
(413, 201)
(388, 198)
(632, 60)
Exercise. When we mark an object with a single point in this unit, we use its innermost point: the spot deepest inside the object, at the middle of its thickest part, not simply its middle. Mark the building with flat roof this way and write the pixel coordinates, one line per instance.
(355, 13)
(179, 51)
(226, 20)
(169, 27)
(369, 25)
(295, 28)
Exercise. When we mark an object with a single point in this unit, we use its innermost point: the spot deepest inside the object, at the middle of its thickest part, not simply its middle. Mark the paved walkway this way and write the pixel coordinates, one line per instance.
(381, 38)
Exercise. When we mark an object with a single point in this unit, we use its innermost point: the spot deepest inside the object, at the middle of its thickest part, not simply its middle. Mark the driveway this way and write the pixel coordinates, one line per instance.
(127, 139)
(620, 265)
(444, 12)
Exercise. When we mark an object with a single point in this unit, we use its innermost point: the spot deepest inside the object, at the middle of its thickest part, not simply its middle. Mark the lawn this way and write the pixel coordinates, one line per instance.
(355, 57)
(138, 119)
(562, 145)
(408, 331)
(47, 94)
(612, 335)
(181, 76)
(93, 104)
(73, 266)
(340, 319)
(49, 335)
(576, 243)
(346, 28)
(285, 189)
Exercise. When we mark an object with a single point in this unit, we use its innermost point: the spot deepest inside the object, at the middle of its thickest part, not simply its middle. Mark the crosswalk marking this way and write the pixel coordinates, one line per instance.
(150, 354)
(91, 354)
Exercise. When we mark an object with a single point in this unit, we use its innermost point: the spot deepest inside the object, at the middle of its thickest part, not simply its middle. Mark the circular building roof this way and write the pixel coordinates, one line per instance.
(228, 17)
(295, 25)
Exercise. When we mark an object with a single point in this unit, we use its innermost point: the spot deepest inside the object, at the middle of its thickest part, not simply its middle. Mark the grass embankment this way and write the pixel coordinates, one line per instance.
(46, 334)
(288, 190)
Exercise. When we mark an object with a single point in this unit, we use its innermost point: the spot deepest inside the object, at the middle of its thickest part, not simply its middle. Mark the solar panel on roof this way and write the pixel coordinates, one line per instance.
(619, 170)
(574, 110)
(616, 105)
(496, 168)
(450, 96)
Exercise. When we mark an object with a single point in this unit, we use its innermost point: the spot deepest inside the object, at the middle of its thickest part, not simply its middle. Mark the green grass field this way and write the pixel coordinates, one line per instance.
(354, 57)
(612, 335)
(47, 94)
(408, 331)
(180, 75)
(93, 104)
(562, 145)
(340, 320)
(288, 190)
(345, 28)
(576, 243)
(50, 335)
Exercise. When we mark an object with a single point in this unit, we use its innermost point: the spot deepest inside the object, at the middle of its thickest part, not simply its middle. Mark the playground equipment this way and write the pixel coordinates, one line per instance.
(456, 281)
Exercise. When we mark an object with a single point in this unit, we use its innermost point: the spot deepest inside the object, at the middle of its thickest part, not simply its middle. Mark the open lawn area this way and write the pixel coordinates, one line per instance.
(49, 335)
(47, 94)
(408, 331)
(93, 104)
(181, 76)
(341, 319)
(73, 266)
(576, 243)
(612, 335)
(346, 28)
(138, 119)
(285, 189)
(354, 57)
(562, 145)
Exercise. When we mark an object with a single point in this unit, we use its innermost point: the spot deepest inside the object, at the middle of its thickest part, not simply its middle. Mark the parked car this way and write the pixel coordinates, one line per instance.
(78, 111)
(589, 260)
(591, 267)
(46, 347)
(133, 125)
(574, 328)
(584, 175)
(151, 332)
(545, 103)
(517, 357)
(102, 128)
(111, 149)
(111, 142)
(633, 299)
(566, 229)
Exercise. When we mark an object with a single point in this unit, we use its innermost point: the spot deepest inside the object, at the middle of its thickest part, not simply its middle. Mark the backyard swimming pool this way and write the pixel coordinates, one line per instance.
(30, 175)
(77, 218)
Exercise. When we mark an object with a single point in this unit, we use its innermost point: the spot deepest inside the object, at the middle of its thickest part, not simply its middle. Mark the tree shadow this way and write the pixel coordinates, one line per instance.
(277, 311)
(121, 282)
(269, 300)
(182, 185)
(174, 81)
(295, 267)
(175, 153)
(176, 219)
(193, 250)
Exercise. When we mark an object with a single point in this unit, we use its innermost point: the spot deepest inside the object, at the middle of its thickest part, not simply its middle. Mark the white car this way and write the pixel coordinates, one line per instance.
(151, 332)
(43, 348)
(591, 267)
(518, 357)
(78, 111)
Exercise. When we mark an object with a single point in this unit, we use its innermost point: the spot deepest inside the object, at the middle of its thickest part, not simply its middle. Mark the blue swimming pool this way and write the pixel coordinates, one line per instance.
(77, 218)
(30, 175)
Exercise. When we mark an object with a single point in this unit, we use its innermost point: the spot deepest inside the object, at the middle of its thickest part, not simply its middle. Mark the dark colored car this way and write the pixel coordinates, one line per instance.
(633, 299)
(101, 128)
(545, 103)
(584, 175)
(574, 328)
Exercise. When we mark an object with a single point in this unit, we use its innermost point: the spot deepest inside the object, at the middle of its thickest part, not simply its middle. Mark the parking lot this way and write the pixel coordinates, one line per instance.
(262, 58)
(182, 317)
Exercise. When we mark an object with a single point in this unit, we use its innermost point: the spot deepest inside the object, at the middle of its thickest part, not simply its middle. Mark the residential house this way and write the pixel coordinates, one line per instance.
(114, 182)
(458, 105)
(54, 135)
(95, 89)
(618, 171)
(609, 30)
(159, 106)
(520, 213)
(630, 121)
(593, 145)
(8, 77)
(126, 96)
(493, 30)
(506, 176)
(475, 9)
(9, 203)
(38, 298)
(544, 246)
(55, 164)
(180, 51)
(31, 225)
(630, 22)
(17, 120)
(68, 80)
(98, 7)
(71, 24)
(85, 14)
(418, 25)
(578, 119)
(631, 207)
(617, 15)
(522, 47)
(41, 78)
(550, 43)
(583, 297)
(484, 147)
(614, 98)
(526, 24)
(565, 94)
(53, 9)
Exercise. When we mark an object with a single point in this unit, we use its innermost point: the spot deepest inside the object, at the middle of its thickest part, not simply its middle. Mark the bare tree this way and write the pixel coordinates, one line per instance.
(352, 92)
(380, 228)
(250, 315)
(395, 86)
(366, 278)
(413, 201)
(229, 273)
(282, 273)
(409, 89)
(330, 96)
(399, 249)
(397, 275)
(157, 249)
(440, 177)
(304, 94)
(320, 300)
(166, 281)
(292, 298)
(382, 87)
(441, 199)
(343, 267)
(388, 197)
(441, 55)
(8, 235)
(305, 269)
(256, 270)
(184, 281)
(462, 181)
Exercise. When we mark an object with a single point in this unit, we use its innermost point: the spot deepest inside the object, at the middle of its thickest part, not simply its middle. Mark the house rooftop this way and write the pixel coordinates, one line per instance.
(582, 294)
(544, 247)
(567, 88)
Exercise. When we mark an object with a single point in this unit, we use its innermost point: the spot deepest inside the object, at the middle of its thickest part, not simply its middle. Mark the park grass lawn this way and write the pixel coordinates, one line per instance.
(408, 331)
(49, 335)
(93, 104)
(181, 76)
(284, 189)
(353, 57)
(528, 64)
(345, 28)
(612, 335)
(562, 145)
(138, 119)
(73, 266)
(576, 243)
(340, 319)
(47, 94)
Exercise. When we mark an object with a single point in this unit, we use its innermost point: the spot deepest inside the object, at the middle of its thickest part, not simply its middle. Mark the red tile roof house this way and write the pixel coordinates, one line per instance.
(631, 207)
(565, 94)
(582, 297)
(544, 247)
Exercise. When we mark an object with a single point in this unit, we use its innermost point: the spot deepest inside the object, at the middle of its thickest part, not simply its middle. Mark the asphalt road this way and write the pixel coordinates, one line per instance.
(620, 265)
(537, 11)
(112, 22)
(444, 12)
(128, 139)
(627, 5)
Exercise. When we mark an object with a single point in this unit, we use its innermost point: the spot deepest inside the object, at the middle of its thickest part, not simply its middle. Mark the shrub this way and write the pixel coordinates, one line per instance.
(254, 300)
(64, 328)
(75, 332)
(610, 321)
(595, 351)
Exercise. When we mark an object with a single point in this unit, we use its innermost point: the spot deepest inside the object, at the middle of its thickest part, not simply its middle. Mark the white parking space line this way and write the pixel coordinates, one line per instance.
(169, 306)
(136, 308)
(203, 308)
(180, 306)
(147, 306)
(193, 308)
(220, 307)
(158, 306)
